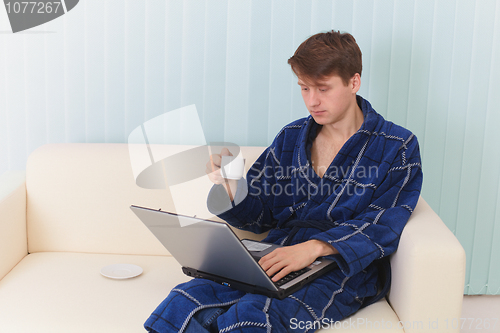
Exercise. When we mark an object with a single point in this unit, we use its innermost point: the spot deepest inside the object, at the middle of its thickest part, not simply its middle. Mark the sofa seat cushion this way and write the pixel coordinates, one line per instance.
(378, 317)
(65, 292)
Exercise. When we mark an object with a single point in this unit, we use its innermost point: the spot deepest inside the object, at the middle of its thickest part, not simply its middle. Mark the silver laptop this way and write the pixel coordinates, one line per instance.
(210, 250)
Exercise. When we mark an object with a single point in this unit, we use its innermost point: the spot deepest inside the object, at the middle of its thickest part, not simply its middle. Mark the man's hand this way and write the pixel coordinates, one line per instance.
(289, 259)
(214, 173)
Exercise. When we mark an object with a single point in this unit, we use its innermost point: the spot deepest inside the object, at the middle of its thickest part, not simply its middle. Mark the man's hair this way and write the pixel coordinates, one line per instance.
(326, 54)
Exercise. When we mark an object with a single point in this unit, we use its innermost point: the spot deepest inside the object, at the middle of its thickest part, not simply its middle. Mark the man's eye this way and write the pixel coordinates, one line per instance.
(304, 88)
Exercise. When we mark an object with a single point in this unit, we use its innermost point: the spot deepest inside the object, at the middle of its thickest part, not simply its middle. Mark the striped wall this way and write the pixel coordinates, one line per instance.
(107, 66)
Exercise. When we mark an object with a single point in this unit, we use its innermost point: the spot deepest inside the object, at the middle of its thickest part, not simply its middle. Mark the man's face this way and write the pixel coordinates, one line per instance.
(329, 100)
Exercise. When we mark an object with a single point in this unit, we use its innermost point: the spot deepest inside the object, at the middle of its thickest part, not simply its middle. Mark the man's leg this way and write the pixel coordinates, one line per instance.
(324, 301)
(204, 321)
(186, 301)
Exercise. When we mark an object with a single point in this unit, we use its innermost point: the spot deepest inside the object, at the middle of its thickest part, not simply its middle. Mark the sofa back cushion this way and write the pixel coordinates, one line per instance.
(78, 199)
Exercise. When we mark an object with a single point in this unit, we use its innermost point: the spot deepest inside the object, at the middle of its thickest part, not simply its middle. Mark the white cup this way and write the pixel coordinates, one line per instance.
(232, 167)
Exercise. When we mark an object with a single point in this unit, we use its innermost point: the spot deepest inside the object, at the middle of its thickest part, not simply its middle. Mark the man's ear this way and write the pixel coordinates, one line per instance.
(355, 83)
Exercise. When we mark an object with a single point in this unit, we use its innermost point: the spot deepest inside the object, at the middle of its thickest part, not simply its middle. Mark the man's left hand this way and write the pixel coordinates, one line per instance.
(287, 259)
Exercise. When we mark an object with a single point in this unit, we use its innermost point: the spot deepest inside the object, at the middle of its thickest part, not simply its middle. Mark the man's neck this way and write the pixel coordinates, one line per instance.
(343, 129)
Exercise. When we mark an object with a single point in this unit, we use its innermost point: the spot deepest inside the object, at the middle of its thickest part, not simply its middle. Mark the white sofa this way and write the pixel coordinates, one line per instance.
(68, 216)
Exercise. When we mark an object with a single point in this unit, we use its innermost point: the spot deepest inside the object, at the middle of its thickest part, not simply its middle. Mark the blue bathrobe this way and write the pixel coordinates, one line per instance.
(359, 206)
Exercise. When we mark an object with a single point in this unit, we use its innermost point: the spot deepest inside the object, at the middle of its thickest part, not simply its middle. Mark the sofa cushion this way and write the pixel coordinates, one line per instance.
(13, 244)
(378, 317)
(64, 292)
(78, 199)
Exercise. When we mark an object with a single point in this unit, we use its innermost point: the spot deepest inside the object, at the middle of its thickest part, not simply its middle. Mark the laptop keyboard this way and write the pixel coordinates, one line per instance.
(291, 276)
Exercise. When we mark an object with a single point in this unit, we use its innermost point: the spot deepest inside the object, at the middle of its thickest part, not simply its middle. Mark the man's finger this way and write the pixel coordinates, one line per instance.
(267, 261)
(281, 274)
(212, 166)
(265, 264)
(225, 152)
(216, 160)
(274, 269)
(213, 174)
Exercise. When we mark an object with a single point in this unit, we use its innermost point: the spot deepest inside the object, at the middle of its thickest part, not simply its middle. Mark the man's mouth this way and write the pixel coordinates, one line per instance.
(317, 112)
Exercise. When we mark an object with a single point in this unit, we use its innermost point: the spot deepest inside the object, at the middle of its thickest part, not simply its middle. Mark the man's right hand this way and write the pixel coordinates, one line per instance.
(214, 173)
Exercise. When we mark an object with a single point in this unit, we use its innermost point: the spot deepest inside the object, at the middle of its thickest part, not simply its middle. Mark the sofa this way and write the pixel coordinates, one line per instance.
(68, 215)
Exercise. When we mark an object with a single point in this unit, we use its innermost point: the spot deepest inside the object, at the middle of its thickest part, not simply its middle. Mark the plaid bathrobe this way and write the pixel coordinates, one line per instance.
(359, 206)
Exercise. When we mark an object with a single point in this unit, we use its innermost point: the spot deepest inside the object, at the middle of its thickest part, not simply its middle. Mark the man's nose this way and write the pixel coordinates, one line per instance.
(314, 98)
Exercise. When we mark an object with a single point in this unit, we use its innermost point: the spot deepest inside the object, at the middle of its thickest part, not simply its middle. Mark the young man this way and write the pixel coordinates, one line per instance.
(340, 183)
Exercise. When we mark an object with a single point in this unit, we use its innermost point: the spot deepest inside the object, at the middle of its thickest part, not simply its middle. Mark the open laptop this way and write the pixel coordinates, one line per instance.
(209, 249)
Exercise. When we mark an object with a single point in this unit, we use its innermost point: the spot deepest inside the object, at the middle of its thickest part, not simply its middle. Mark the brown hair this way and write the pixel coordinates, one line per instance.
(326, 54)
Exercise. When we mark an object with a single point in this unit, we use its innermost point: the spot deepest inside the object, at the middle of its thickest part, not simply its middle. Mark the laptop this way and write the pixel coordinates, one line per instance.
(211, 250)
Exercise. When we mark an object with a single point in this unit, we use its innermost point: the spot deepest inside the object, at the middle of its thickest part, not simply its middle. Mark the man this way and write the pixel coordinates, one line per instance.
(348, 182)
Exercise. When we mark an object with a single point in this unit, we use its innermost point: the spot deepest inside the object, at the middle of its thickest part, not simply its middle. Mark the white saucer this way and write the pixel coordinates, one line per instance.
(121, 271)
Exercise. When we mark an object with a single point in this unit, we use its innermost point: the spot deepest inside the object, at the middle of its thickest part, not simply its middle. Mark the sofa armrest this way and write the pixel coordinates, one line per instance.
(428, 274)
(13, 239)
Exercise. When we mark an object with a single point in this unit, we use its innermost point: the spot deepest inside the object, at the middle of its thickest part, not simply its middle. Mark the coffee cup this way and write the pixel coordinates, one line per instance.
(232, 167)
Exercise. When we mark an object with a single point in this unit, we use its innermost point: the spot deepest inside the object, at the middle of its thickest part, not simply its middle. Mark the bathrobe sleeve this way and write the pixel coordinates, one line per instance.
(375, 232)
(252, 208)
